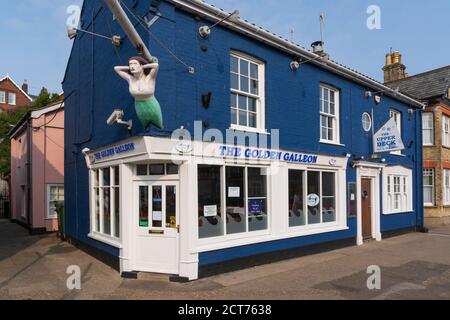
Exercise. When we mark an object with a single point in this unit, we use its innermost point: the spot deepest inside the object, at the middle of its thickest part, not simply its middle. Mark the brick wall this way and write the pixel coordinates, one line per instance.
(21, 100)
(437, 157)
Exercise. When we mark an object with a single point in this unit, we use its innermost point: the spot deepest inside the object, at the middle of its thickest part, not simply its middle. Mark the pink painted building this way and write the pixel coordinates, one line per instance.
(37, 168)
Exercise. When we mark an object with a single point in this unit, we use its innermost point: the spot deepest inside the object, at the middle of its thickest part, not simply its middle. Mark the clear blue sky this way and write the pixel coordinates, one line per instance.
(35, 46)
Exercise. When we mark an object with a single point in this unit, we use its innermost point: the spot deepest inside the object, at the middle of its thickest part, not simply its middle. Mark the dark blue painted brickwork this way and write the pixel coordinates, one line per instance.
(292, 105)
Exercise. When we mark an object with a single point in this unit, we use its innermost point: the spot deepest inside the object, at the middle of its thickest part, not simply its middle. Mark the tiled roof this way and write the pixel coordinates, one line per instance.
(434, 83)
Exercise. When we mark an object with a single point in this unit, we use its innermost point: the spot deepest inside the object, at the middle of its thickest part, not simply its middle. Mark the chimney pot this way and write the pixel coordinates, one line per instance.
(25, 86)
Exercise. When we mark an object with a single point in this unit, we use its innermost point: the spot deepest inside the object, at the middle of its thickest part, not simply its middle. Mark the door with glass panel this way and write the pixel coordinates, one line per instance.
(157, 224)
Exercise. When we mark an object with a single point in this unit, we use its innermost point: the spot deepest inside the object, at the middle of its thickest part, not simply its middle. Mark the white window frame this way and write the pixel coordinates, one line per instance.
(322, 224)
(364, 122)
(397, 115)
(12, 102)
(49, 186)
(432, 173)
(260, 97)
(425, 127)
(334, 117)
(445, 131)
(2, 96)
(247, 234)
(397, 184)
(446, 186)
(97, 231)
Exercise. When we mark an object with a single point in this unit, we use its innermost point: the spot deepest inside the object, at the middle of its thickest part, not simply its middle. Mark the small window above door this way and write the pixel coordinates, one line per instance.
(157, 169)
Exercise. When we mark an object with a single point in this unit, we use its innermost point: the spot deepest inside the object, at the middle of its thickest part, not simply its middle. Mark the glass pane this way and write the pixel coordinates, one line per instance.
(251, 104)
(328, 184)
(256, 183)
(257, 203)
(157, 214)
(234, 64)
(242, 102)
(106, 177)
(172, 168)
(157, 169)
(297, 216)
(234, 81)
(117, 212)
(107, 211)
(245, 84)
(254, 71)
(329, 209)
(235, 203)
(171, 207)
(332, 108)
(142, 170)
(234, 116)
(252, 122)
(313, 199)
(242, 118)
(244, 68)
(97, 210)
(234, 100)
(143, 206)
(210, 223)
(116, 176)
(329, 197)
(257, 214)
(254, 87)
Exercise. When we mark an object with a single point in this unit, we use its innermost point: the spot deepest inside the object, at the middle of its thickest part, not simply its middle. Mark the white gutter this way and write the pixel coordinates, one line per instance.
(212, 13)
(128, 27)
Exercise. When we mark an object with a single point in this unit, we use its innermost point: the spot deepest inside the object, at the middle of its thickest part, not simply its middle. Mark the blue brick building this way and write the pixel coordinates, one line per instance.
(298, 169)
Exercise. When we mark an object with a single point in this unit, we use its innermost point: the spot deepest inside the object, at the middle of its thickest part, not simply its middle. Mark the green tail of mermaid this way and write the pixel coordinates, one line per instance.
(149, 112)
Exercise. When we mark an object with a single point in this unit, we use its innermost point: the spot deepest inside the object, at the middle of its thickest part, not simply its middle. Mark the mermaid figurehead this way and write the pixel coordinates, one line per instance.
(141, 77)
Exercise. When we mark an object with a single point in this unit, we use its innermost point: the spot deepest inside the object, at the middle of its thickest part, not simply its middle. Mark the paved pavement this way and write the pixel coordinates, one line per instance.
(413, 266)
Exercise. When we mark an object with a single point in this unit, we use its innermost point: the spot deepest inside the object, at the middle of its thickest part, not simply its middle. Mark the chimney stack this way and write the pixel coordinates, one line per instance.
(394, 70)
(25, 86)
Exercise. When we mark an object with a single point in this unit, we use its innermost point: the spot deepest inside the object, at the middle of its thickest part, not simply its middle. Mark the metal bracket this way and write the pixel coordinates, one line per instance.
(152, 21)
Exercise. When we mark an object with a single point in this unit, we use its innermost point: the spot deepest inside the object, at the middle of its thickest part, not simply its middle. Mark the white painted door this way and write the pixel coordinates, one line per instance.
(157, 225)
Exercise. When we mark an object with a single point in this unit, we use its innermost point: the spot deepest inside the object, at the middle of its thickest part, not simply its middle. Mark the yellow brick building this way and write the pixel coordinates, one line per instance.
(433, 88)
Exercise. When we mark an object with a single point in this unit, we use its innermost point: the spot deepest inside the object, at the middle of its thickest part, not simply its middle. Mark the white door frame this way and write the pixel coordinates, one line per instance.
(370, 171)
(135, 230)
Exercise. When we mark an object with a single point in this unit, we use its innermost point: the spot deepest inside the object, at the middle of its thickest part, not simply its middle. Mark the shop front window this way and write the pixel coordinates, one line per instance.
(106, 199)
(236, 222)
(245, 200)
(210, 223)
(318, 204)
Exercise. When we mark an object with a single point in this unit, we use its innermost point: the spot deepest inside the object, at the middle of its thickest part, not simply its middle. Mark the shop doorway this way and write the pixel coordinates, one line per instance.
(366, 208)
(157, 223)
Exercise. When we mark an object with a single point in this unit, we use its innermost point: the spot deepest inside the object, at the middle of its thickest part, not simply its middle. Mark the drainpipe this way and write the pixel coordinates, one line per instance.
(128, 27)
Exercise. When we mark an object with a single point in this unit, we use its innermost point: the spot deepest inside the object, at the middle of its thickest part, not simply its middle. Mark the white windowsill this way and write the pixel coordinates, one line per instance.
(249, 130)
(397, 154)
(332, 143)
(255, 240)
(105, 239)
(397, 212)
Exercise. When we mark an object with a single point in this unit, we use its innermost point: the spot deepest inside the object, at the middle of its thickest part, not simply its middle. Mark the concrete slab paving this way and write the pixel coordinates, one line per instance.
(413, 266)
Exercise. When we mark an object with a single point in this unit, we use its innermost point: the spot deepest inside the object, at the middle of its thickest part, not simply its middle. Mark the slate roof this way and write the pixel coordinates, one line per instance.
(423, 86)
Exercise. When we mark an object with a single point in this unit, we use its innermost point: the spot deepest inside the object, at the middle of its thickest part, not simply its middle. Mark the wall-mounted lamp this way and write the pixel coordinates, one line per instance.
(205, 31)
(295, 65)
(116, 118)
(72, 33)
(377, 99)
